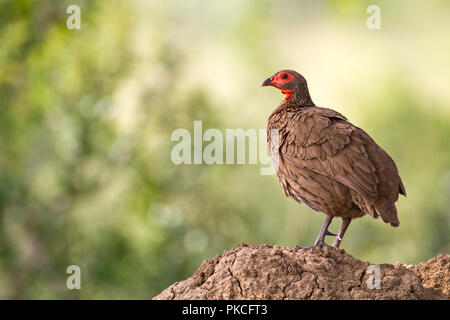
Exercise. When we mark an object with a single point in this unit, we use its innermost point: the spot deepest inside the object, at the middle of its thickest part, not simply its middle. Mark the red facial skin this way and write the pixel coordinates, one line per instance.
(280, 79)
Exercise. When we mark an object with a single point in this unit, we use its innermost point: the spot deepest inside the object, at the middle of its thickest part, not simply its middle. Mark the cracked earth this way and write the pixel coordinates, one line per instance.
(275, 272)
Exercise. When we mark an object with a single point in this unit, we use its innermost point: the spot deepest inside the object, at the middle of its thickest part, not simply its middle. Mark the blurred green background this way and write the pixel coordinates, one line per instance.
(86, 118)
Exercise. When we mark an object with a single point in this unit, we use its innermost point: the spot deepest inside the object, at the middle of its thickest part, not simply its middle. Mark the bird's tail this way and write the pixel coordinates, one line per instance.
(388, 213)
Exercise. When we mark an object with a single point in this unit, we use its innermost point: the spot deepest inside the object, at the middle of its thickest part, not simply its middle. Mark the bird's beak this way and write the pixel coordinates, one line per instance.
(267, 82)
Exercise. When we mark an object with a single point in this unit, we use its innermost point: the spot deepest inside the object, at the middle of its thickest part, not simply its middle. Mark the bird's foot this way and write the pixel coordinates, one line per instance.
(320, 244)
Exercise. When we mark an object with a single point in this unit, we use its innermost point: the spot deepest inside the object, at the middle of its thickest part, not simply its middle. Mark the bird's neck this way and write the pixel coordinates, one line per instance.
(303, 100)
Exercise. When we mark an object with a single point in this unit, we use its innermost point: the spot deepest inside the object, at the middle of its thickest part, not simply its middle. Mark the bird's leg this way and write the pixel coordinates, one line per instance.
(342, 229)
(320, 241)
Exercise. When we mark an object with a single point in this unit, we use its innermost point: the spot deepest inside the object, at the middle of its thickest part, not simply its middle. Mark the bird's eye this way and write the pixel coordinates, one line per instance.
(284, 76)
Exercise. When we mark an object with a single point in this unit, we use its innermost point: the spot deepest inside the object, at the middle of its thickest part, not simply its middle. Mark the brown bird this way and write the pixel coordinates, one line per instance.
(328, 163)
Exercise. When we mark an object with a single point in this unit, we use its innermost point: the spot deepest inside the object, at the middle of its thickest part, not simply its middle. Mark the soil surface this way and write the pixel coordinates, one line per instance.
(275, 272)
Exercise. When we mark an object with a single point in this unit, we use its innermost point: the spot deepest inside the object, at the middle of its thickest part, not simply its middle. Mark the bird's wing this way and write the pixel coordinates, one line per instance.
(323, 141)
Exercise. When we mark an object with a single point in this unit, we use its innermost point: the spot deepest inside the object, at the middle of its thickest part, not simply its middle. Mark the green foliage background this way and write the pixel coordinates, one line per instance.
(86, 118)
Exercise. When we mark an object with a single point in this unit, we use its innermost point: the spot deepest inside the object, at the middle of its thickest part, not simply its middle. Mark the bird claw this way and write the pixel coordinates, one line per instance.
(320, 244)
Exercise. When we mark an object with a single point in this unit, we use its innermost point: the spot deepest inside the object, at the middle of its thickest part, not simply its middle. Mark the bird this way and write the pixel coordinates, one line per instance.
(326, 162)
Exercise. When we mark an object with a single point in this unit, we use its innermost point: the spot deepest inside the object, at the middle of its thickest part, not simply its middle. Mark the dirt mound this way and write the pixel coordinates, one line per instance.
(275, 272)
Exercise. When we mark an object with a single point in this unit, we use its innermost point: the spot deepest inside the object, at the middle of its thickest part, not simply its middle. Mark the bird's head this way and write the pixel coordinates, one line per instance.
(292, 85)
